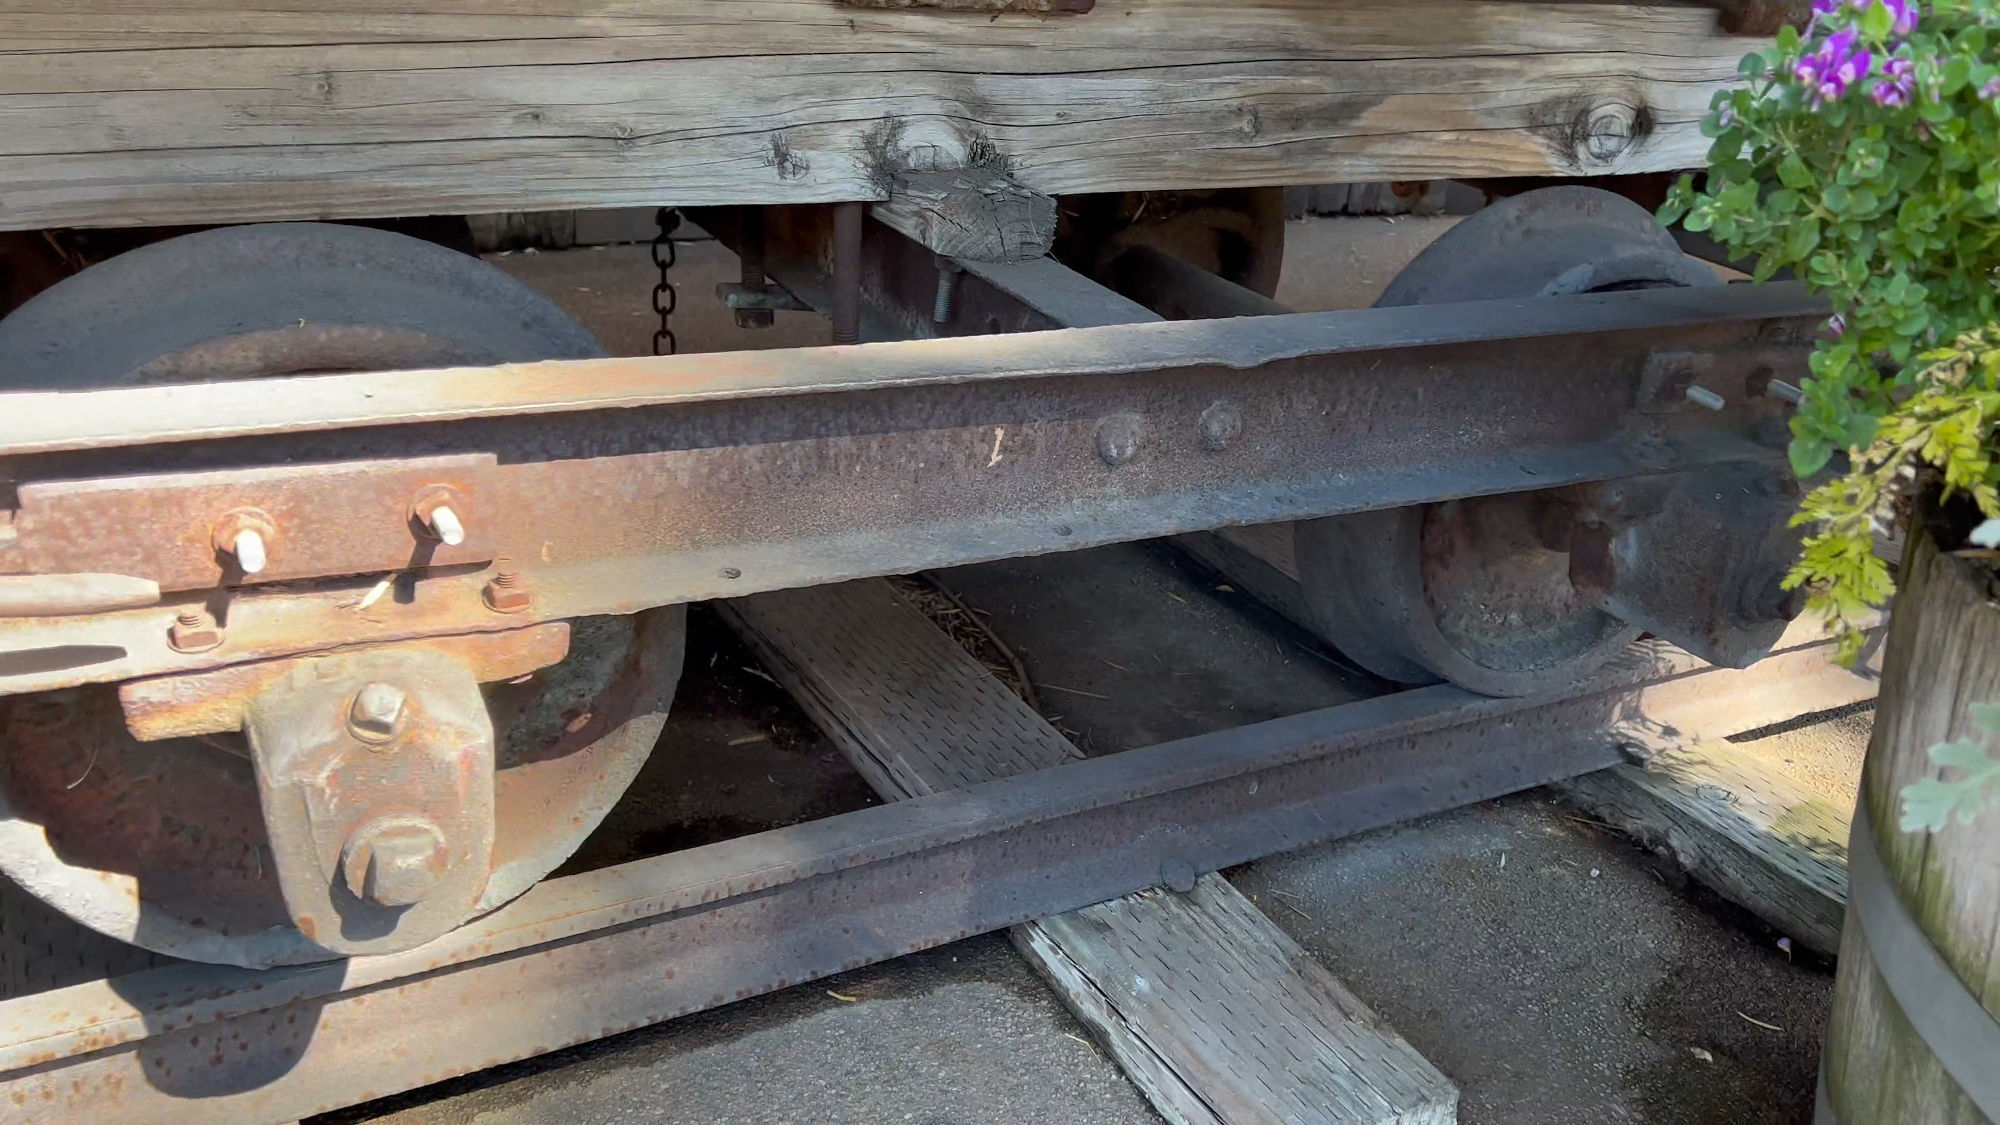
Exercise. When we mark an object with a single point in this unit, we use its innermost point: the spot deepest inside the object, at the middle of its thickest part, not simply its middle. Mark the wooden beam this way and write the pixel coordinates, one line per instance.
(1215, 1014)
(972, 213)
(136, 112)
(1727, 818)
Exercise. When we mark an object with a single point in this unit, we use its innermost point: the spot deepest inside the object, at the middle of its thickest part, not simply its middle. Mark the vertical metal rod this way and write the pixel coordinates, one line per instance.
(847, 273)
(750, 251)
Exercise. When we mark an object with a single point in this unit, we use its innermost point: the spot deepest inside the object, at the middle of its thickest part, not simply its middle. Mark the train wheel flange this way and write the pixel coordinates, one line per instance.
(1477, 591)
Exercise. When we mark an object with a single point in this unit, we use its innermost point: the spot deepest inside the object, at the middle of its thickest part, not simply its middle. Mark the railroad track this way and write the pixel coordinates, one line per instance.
(586, 956)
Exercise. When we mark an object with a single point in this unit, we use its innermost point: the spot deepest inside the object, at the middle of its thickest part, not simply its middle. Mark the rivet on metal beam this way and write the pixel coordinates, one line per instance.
(1703, 397)
(1118, 438)
(1221, 425)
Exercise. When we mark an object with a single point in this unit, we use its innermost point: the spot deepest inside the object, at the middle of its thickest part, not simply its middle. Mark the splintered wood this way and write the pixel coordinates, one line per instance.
(136, 112)
(1215, 1014)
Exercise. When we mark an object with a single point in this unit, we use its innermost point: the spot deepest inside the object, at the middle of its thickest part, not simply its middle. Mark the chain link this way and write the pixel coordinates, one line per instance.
(665, 300)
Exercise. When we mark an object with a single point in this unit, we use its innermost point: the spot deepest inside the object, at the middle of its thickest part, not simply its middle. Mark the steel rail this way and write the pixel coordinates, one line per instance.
(591, 955)
(619, 485)
(54, 421)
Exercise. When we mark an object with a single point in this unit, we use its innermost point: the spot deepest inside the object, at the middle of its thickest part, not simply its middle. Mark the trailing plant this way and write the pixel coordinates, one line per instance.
(1863, 156)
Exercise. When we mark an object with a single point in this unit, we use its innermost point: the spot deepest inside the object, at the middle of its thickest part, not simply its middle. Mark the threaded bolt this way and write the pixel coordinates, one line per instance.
(193, 631)
(505, 592)
(947, 282)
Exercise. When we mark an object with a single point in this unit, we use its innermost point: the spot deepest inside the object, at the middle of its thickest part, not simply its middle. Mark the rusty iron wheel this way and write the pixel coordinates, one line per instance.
(162, 844)
(1476, 592)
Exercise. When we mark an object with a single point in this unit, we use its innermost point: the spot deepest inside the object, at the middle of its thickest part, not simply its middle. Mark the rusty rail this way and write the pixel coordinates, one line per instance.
(618, 485)
(591, 955)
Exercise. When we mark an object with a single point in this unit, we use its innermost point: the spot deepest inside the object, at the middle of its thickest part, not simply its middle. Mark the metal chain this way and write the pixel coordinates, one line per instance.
(668, 220)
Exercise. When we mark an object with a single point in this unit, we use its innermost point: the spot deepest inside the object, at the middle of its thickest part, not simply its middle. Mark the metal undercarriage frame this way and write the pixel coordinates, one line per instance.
(595, 487)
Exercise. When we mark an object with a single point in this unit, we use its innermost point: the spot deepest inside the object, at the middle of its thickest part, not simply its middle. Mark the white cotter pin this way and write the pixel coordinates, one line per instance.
(1782, 390)
(249, 551)
(1702, 396)
(444, 521)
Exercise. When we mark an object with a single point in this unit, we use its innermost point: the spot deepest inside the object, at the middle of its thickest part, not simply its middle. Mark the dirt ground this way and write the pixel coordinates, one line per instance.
(1553, 970)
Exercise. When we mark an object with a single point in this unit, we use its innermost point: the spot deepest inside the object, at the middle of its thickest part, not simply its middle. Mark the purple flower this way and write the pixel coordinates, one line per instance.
(1898, 82)
(1836, 66)
(1991, 90)
(1905, 12)
(1836, 325)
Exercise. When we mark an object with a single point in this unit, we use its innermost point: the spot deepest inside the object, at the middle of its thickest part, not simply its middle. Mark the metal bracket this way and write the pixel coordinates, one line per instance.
(772, 297)
(375, 773)
(217, 700)
(1697, 558)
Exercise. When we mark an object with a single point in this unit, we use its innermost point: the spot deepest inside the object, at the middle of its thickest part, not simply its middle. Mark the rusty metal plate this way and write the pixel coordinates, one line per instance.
(322, 519)
(213, 702)
(375, 775)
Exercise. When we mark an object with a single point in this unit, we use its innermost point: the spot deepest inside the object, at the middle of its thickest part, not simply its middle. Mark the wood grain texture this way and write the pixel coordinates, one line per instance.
(1943, 654)
(1213, 1012)
(189, 111)
(1760, 839)
(971, 213)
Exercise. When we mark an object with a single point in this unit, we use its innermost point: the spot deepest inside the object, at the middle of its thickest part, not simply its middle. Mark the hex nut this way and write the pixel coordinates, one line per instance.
(194, 631)
(376, 714)
(505, 594)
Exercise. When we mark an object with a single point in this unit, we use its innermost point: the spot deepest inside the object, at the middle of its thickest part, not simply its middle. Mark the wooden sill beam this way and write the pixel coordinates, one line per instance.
(122, 112)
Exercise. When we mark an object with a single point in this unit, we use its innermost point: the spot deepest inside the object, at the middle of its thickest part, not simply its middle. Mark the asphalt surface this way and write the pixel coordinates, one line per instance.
(1553, 970)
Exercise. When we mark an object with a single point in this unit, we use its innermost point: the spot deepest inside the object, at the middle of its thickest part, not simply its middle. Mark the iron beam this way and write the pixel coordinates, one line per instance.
(617, 485)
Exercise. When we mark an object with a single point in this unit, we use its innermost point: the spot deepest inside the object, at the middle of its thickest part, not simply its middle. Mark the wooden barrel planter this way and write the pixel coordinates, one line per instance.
(1915, 1030)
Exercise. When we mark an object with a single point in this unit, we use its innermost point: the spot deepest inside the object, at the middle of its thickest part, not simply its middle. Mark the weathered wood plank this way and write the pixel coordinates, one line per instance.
(1760, 839)
(132, 111)
(973, 213)
(1216, 1015)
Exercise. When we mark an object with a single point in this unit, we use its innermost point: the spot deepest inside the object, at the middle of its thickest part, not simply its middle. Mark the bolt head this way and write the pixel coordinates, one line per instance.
(503, 598)
(377, 712)
(395, 863)
(200, 636)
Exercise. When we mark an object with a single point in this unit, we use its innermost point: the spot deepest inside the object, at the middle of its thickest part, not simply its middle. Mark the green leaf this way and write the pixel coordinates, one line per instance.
(1809, 455)
(1963, 755)
(1986, 716)
(1877, 21)
(1793, 173)
(1801, 238)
